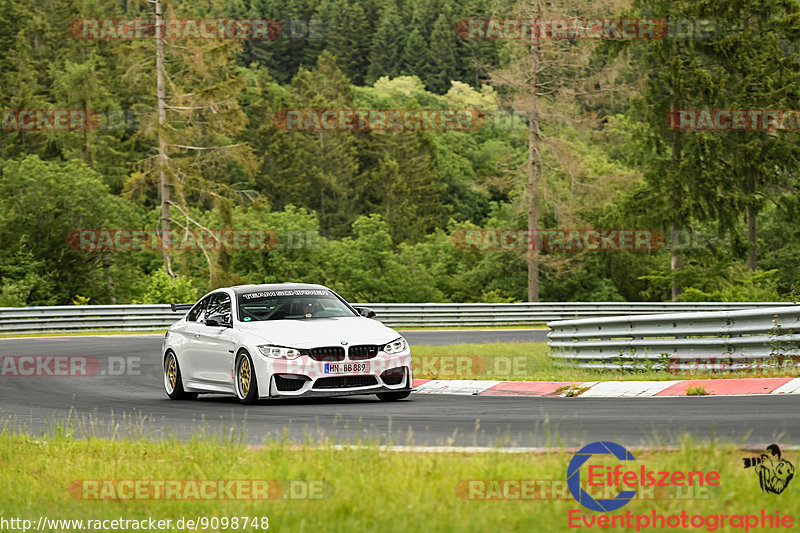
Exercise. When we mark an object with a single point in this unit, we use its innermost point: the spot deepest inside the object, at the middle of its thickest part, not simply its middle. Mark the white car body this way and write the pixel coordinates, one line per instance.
(342, 355)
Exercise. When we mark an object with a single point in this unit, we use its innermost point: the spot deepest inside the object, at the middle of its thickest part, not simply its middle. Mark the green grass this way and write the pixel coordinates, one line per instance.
(529, 361)
(696, 391)
(367, 489)
(473, 328)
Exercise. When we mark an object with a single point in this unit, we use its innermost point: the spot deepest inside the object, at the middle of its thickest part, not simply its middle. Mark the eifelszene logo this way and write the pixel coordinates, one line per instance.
(574, 476)
(632, 477)
(774, 473)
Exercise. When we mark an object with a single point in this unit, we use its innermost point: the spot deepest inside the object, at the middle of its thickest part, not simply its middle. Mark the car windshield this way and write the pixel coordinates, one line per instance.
(301, 304)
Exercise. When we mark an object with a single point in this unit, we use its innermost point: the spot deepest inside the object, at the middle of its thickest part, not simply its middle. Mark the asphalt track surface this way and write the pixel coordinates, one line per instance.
(133, 402)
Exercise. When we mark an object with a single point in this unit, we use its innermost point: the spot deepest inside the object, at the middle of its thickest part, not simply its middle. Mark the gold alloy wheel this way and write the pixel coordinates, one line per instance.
(244, 376)
(171, 372)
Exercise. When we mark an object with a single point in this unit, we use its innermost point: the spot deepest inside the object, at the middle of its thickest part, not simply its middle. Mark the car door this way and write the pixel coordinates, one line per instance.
(189, 332)
(215, 344)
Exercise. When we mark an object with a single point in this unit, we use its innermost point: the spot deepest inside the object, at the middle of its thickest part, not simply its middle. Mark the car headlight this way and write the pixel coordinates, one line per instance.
(279, 352)
(396, 346)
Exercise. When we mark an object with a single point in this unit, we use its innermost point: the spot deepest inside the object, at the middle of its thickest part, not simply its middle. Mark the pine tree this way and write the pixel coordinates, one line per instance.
(192, 127)
(444, 63)
(388, 42)
(400, 182)
(348, 38)
(759, 165)
(314, 169)
(415, 55)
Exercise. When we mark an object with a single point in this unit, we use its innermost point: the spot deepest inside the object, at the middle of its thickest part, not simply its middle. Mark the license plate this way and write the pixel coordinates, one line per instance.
(345, 368)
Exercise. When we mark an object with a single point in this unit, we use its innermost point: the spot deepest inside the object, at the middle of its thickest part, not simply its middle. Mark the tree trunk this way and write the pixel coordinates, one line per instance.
(109, 280)
(676, 262)
(86, 145)
(533, 210)
(162, 145)
(533, 164)
(752, 213)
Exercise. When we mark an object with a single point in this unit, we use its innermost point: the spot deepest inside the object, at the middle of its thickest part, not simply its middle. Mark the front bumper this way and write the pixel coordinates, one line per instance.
(387, 373)
(338, 392)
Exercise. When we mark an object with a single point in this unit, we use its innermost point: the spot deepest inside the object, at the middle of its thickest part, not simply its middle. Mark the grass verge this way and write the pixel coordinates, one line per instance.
(366, 489)
(473, 328)
(529, 361)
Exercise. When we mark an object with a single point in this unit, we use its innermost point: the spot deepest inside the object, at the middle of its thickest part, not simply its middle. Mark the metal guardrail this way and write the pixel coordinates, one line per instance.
(502, 314)
(405, 315)
(726, 340)
(73, 318)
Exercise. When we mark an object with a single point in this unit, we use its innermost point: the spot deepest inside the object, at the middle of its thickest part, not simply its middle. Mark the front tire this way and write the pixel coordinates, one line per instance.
(246, 386)
(393, 396)
(173, 384)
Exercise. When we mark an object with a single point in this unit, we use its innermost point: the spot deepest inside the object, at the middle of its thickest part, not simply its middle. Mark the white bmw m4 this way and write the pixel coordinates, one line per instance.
(283, 340)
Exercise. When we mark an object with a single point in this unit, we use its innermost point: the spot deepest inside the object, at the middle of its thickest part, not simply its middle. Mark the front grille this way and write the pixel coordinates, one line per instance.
(345, 382)
(394, 376)
(327, 353)
(363, 351)
(290, 384)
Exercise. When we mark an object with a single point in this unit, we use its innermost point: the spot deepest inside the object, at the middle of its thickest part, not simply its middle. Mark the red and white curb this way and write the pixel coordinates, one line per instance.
(608, 389)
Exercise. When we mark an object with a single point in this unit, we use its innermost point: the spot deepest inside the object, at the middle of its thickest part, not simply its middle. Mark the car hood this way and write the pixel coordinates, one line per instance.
(316, 332)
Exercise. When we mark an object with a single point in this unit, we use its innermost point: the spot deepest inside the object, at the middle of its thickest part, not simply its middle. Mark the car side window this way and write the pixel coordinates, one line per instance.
(196, 314)
(220, 304)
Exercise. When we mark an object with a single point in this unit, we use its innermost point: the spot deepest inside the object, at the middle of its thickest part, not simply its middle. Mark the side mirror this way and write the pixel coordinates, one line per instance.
(219, 321)
(365, 312)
